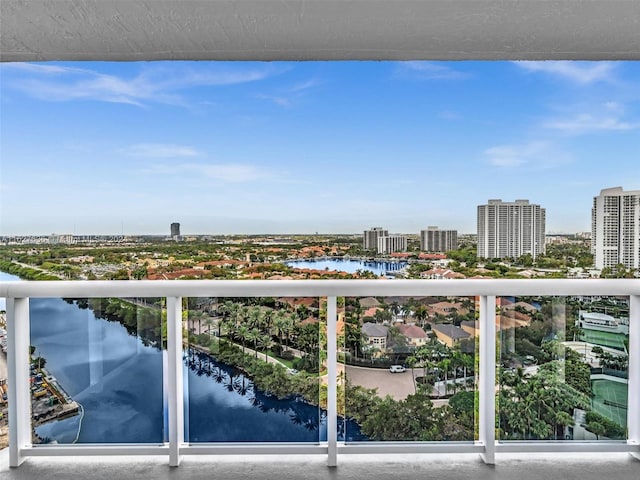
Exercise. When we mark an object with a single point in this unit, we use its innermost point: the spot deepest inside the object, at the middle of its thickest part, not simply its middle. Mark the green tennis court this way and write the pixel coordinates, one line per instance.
(605, 339)
(610, 400)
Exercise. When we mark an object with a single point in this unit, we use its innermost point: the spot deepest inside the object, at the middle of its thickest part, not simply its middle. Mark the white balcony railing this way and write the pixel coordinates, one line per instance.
(18, 318)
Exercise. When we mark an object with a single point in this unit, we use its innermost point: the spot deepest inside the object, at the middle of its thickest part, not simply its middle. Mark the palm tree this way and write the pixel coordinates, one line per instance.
(253, 336)
(280, 324)
(444, 364)
(209, 323)
(563, 420)
(411, 361)
(266, 343)
(241, 334)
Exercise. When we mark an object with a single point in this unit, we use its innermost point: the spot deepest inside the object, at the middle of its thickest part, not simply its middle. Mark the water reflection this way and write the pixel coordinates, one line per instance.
(289, 419)
(124, 404)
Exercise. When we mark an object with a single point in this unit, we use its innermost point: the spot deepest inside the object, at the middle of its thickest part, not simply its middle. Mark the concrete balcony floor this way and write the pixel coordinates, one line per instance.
(617, 466)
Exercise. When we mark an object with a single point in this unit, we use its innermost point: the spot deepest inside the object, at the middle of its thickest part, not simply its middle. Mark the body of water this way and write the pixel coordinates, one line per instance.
(348, 265)
(119, 383)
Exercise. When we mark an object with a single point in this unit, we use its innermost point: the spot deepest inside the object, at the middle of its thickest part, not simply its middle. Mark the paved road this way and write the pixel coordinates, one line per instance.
(398, 385)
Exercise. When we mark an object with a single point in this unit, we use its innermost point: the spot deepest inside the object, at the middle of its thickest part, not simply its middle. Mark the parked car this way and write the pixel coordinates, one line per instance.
(397, 369)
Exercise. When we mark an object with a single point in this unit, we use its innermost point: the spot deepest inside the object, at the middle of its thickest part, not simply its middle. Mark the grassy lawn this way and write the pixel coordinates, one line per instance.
(288, 363)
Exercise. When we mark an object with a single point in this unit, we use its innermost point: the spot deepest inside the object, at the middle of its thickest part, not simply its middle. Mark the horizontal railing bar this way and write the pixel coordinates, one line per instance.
(256, 449)
(400, 447)
(89, 450)
(570, 446)
(379, 448)
(316, 288)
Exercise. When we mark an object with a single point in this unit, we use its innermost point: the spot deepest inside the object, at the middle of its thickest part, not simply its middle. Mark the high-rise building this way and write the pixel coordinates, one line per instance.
(370, 238)
(392, 243)
(175, 230)
(434, 240)
(615, 228)
(510, 229)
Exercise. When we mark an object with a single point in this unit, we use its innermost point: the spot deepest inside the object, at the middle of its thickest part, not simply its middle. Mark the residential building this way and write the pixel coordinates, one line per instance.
(449, 334)
(615, 228)
(376, 335)
(175, 231)
(441, 274)
(370, 238)
(416, 336)
(66, 239)
(446, 308)
(434, 240)
(392, 243)
(471, 327)
(510, 229)
(368, 302)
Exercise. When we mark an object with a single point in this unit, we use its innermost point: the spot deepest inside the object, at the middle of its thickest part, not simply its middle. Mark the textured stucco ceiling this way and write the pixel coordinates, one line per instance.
(32, 30)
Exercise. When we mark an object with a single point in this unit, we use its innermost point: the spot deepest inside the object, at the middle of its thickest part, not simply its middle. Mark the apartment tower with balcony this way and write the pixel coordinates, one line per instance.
(391, 244)
(510, 229)
(435, 240)
(370, 237)
(615, 228)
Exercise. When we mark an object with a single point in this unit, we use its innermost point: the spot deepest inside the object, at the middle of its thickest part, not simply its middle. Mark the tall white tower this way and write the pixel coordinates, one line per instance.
(615, 228)
(370, 237)
(510, 229)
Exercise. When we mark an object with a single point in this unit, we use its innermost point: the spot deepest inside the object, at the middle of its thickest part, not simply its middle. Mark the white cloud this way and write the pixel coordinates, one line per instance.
(579, 72)
(287, 97)
(230, 172)
(278, 100)
(304, 85)
(588, 123)
(155, 83)
(421, 70)
(536, 155)
(605, 117)
(160, 150)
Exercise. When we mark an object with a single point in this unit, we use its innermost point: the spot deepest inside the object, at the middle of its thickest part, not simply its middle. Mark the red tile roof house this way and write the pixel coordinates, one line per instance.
(524, 305)
(441, 274)
(416, 336)
(371, 312)
(446, 308)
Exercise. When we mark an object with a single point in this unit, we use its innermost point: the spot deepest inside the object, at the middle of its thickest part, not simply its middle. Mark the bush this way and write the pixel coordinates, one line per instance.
(611, 429)
(287, 355)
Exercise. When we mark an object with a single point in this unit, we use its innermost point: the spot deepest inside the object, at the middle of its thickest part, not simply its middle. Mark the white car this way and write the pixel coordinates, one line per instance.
(397, 369)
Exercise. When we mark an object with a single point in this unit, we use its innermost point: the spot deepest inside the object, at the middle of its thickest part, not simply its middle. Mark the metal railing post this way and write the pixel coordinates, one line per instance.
(487, 378)
(633, 410)
(332, 383)
(18, 378)
(174, 379)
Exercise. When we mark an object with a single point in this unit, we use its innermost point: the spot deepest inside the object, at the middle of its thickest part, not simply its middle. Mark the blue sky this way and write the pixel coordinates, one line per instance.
(332, 147)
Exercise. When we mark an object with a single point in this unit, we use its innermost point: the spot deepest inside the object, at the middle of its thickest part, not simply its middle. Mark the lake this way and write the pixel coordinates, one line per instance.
(349, 265)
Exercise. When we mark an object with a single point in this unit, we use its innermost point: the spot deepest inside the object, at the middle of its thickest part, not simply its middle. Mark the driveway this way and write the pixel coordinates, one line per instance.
(398, 385)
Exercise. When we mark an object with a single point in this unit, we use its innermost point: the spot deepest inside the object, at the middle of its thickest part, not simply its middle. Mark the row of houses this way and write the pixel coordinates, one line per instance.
(511, 315)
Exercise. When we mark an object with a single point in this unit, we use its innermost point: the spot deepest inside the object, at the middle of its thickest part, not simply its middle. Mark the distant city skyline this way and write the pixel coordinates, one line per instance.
(328, 147)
